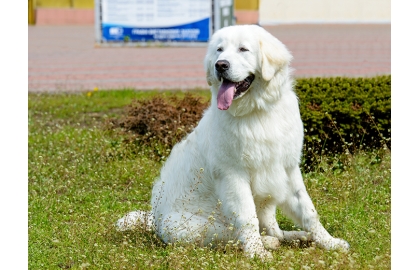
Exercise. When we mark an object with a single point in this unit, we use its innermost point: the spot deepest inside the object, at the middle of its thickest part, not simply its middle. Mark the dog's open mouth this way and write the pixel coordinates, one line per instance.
(229, 91)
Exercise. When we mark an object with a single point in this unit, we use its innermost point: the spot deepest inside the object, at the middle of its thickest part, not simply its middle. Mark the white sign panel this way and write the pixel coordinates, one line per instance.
(163, 20)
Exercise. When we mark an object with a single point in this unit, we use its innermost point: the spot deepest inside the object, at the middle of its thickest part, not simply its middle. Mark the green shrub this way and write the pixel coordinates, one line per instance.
(344, 115)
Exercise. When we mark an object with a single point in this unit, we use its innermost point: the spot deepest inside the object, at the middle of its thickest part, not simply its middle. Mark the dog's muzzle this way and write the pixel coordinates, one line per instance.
(230, 90)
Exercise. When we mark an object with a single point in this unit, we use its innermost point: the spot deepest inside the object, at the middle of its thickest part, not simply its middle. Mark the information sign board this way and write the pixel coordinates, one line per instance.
(154, 20)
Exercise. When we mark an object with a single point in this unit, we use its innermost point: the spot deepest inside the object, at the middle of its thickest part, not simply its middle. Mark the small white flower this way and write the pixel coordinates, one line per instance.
(84, 265)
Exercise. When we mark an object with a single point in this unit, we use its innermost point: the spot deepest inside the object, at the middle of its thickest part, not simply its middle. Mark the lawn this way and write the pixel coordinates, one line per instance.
(82, 177)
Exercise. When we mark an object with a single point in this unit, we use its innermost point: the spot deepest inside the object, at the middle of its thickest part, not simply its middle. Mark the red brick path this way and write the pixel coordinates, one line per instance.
(63, 58)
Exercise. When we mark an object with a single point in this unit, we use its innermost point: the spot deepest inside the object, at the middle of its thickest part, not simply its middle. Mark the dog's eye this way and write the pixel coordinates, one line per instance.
(220, 49)
(242, 49)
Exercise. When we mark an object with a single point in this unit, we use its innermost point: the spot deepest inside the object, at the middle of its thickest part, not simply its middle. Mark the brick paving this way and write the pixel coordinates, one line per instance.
(64, 58)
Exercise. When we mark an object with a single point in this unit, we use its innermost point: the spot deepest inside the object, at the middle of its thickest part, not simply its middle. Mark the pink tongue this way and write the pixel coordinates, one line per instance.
(225, 95)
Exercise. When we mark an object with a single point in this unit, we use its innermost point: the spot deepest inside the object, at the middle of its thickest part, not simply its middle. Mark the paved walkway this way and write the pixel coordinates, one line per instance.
(64, 58)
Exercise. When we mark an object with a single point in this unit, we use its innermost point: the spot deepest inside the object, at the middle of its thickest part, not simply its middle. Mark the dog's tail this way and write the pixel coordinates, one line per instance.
(136, 219)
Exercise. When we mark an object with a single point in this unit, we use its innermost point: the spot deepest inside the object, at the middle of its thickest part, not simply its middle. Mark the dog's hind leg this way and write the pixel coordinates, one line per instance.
(192, 228)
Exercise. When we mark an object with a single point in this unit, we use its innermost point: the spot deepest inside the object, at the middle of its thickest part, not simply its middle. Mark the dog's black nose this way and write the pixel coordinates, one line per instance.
(222, 65)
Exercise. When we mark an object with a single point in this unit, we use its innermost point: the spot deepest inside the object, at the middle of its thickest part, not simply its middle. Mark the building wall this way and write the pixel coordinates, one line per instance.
(246, 4)
(65, 3)
(61, 12)
(246, 11)
(324, 11)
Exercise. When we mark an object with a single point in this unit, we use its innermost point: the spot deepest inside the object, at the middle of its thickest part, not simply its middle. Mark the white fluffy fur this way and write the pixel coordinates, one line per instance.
(224, 181)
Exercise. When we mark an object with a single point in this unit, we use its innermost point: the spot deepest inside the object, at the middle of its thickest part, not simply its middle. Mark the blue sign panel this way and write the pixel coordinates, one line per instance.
(196, 31)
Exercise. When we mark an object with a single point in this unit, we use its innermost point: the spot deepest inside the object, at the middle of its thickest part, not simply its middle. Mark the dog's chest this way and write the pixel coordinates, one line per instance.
(254, 142)
(261, 154)
(272, 144)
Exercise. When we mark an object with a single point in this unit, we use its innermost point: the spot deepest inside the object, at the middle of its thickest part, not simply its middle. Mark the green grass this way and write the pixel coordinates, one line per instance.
(83, 177)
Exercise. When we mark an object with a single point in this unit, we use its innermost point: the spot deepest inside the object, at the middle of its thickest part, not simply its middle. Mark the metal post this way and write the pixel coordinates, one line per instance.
(98, 29)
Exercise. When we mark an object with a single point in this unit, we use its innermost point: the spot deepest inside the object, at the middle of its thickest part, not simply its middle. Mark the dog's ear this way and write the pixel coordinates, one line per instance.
(273, 55)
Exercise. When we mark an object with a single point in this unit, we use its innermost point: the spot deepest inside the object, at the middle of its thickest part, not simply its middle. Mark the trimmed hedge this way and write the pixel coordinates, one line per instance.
(344, 115)
(339, 114)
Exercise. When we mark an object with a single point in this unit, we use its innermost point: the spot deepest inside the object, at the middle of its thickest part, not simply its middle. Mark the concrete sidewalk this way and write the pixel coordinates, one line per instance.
(63, 58)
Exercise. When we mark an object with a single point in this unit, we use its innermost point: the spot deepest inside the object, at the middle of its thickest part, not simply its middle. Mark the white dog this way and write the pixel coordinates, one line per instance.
(224, 181)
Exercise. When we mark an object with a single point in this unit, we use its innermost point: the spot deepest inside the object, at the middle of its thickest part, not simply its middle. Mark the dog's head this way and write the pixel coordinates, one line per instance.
(245, 65)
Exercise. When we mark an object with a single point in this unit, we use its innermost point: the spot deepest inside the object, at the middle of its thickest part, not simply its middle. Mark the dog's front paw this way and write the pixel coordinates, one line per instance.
(333, 243)
(270, 242)
(258, 250)
(341, 244)
(263, 254)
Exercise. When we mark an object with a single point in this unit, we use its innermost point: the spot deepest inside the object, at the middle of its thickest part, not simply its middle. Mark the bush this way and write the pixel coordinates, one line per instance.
(339, 115)
(344, 115)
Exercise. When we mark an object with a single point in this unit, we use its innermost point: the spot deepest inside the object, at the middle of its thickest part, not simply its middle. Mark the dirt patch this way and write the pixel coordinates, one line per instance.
(163, 121)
